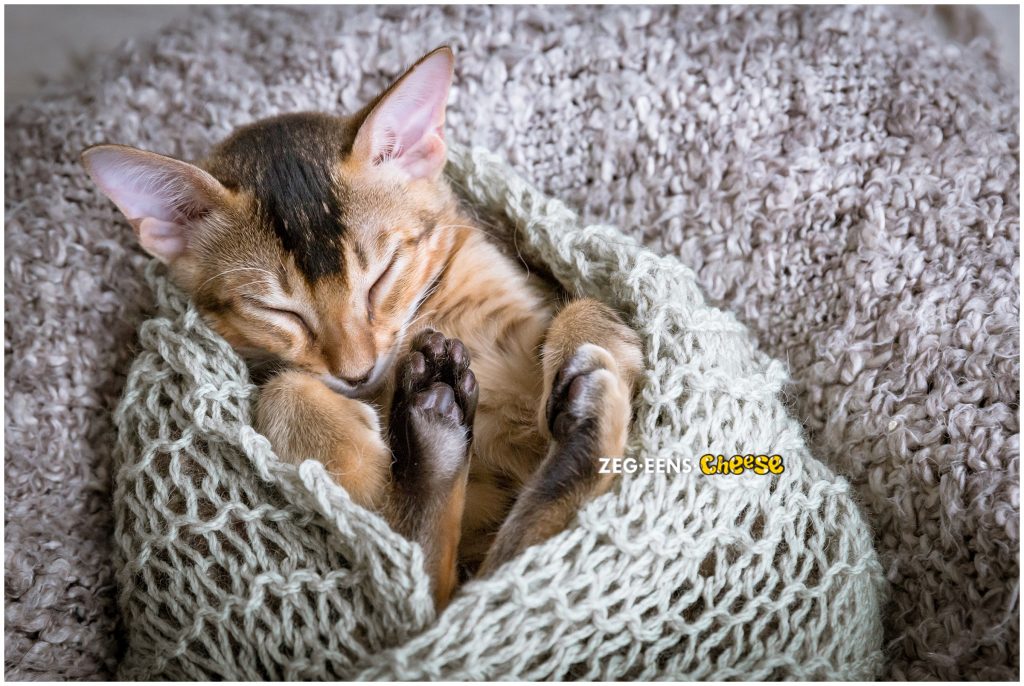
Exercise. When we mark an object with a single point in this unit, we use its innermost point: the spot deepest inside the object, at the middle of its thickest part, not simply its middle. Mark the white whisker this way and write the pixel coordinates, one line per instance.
(248, 285)
(237, 269)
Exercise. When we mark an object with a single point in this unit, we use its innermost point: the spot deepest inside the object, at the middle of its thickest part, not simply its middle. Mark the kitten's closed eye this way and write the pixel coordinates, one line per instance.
(382, 281)
(278, 312)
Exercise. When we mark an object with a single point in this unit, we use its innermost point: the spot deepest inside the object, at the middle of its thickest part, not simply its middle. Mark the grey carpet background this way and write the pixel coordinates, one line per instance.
(844, 182)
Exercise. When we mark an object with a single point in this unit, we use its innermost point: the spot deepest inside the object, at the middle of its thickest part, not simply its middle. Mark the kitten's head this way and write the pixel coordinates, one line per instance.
(306, 238)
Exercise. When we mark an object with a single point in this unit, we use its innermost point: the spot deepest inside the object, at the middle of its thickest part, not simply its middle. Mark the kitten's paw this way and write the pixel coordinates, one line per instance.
(589, 405)
(433, 409)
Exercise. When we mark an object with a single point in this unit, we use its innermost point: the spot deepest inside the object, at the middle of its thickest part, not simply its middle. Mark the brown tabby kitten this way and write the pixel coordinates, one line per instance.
(335, 246)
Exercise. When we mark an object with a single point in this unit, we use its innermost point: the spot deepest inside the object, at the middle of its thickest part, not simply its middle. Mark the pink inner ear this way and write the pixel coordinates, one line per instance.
(164, 240)
(140, 184)
(407, 126)
(156, 193)
(137, 204)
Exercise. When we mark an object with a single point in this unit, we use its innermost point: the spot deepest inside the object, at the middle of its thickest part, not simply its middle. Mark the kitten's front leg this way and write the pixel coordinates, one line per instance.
(591, 360)
(431, 431)
(304, 419)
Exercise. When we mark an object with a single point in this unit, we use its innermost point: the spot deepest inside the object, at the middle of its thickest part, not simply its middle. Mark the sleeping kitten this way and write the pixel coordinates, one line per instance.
(434, 378)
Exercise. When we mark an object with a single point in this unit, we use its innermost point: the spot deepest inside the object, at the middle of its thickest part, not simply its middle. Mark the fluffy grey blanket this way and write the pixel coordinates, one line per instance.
(844, 182)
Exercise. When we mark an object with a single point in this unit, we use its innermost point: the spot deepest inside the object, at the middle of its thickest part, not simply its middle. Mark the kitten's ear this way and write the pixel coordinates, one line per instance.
(161, 196)
(405, 128)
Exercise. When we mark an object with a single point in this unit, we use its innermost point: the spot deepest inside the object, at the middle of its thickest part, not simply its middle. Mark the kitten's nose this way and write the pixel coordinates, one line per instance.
(355, 383)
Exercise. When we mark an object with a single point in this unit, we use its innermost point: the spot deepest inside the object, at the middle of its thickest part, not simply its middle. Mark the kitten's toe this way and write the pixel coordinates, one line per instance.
(467, 393)
(432, 344)
(413, 373)
(458, 355)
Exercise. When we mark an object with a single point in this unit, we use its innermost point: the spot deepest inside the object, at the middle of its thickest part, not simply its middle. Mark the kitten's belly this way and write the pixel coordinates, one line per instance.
(501, 313)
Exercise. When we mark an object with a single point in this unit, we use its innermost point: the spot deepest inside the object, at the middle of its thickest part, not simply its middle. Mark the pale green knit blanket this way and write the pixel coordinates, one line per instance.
(235, 565)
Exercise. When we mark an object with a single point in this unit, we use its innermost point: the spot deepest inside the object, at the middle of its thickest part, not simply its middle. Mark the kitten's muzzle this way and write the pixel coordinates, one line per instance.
(366, 385)
(355, 383)
(353, 388)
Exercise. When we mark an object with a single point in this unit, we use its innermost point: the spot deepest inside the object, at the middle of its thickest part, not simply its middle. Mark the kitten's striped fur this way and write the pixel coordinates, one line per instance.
(335, 246)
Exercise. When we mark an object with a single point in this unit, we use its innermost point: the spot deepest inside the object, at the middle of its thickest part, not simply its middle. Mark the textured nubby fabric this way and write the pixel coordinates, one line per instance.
(234, 565)
(840, 178)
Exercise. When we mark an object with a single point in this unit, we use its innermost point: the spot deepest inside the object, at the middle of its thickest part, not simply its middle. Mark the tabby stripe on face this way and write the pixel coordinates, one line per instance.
(361, 257)
(300, 201)
(287, 163)
(429, 222)
(439, 276)
(211, 303)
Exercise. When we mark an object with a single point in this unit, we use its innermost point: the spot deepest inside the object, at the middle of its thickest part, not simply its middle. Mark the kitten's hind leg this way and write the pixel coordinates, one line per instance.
(431, 431)
(591, 361)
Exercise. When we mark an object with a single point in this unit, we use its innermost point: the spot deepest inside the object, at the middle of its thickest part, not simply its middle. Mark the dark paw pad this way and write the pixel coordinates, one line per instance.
(438, 399)
(585, 398)
(433, 408)
(576, 394)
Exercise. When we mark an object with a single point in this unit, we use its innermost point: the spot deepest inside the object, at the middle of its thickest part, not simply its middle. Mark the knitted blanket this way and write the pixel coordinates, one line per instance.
(840, 178)
(235, 565)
